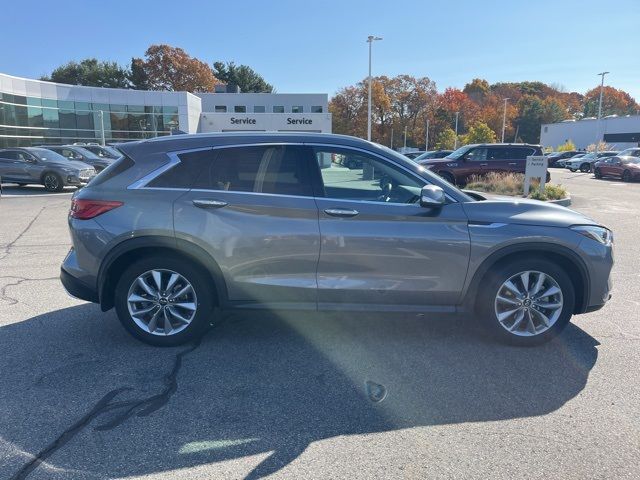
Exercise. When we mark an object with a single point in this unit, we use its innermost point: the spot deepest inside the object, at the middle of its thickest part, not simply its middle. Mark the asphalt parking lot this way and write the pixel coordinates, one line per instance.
(310, 395)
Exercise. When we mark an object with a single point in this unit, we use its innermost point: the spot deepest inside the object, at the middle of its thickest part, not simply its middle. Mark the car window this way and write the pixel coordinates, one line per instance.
(476, 155)
(352, 175)
(25, 157)
(497, 154)
(10, 155)
(261, 169)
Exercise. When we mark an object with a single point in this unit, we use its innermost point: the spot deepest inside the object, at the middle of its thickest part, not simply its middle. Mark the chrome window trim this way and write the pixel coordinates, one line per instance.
(175, 160)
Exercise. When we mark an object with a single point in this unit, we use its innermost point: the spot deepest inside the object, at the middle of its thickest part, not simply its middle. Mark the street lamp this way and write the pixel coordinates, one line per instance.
(504, 118)
(456, 141)
(370, 40)
(602, 74)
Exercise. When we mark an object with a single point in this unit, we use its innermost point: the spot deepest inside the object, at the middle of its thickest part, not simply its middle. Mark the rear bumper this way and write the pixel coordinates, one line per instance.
(76, 288)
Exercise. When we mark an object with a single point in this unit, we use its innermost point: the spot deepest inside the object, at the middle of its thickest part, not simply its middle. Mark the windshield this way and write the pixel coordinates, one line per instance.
(634, 152)
(47, 155)
(456, 154)
(86, 153)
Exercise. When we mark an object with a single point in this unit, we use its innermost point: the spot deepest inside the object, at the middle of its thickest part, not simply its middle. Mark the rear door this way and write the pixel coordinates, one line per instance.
(252, 209)
(8, 165)
(379, 246)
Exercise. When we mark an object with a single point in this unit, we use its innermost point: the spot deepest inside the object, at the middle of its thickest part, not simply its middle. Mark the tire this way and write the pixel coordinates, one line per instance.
(489, 306)
(585, 168)
(572, 169)
(52, 182)
(200, 297)
(448, 177)
(626, 176)
(597, 173)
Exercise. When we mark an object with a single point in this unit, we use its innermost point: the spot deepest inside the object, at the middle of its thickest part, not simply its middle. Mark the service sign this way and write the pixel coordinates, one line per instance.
(536, 169)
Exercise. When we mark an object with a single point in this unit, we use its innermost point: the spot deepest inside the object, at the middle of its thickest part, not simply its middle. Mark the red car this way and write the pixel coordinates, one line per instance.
(624, 167)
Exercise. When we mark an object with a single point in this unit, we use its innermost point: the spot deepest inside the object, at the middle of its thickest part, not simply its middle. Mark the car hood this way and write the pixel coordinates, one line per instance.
(436, 161)
(496, 209)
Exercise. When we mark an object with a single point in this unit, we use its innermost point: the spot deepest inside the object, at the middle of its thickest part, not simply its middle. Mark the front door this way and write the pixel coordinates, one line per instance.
(378, 245)
(252, 209)
(14, 166)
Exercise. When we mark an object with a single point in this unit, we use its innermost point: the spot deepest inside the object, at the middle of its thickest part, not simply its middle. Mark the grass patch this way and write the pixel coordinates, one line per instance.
(513, 184)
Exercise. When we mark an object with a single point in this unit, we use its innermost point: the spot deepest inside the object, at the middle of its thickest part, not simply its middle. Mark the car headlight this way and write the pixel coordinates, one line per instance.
(599, 234)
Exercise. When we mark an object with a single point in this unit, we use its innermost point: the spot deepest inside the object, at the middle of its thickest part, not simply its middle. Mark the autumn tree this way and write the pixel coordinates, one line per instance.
(477, 90)
(243, 76)
(567, 146)
(92, 73)
(171, 68)
(614, 102)
(479, 132)
(446, 139)
(349, 109)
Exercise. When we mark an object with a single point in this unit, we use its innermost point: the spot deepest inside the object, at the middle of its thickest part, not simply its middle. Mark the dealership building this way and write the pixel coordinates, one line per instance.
(619, 132)
(34, 112)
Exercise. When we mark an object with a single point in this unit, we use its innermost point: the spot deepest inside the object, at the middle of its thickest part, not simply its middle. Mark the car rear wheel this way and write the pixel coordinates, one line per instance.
(626, 176)
(572, 169)
(585, 168)
(448, 177)
(597, 173)
(52, 182)
(526, 302)
(163, 301)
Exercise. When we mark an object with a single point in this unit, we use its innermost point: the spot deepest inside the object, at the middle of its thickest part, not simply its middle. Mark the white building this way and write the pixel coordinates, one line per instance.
(619, 132)
(33, 112)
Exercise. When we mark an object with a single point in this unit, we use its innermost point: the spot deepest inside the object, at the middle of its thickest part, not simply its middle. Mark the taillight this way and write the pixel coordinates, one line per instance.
(85, 209)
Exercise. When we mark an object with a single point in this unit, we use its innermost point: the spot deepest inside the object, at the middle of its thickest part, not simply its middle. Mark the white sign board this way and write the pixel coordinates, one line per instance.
(536, 169)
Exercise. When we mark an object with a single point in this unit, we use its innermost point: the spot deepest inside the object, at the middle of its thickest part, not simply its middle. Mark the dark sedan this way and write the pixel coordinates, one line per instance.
(623, 167)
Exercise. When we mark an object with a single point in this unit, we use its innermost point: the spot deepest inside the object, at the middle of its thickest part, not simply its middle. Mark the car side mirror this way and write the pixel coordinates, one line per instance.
(432, 196)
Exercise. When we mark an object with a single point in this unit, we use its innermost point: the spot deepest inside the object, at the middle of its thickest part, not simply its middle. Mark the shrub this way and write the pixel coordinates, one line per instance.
(513, 184)
(567, 146)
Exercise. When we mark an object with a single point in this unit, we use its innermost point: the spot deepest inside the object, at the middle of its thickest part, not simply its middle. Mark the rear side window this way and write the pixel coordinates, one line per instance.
(113, 170)
(262, 169)
(269, 169)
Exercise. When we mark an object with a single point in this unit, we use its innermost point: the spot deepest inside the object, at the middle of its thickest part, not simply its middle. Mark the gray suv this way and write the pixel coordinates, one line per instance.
(32, 165)
(186, 226)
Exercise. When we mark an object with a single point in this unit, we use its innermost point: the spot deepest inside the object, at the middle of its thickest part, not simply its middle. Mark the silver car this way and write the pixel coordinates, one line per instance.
(184, 227)
(39, 166)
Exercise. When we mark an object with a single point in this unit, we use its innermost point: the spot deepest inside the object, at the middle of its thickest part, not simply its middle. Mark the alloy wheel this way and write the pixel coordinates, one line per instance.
(528, 303)
(51, 182)
(162, 302)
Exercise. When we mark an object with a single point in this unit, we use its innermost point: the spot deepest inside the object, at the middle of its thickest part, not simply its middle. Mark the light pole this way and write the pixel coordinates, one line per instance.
(504, 118)
(101, 115)
(602, 74)
(455, 147)
(370, 40)
(426, 139)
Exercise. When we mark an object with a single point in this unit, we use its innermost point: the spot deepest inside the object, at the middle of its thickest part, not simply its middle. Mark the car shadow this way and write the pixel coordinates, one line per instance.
(82, 399)
(14, 190)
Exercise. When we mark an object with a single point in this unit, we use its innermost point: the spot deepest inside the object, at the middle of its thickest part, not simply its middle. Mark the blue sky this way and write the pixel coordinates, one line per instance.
(320, 46)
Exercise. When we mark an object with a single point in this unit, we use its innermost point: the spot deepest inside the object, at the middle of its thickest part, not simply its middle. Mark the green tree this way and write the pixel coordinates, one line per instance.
(479, 132)
(244, 76)
(138, 75)
(91, 72)
(566, 146)
(446, 139)
(529, 120)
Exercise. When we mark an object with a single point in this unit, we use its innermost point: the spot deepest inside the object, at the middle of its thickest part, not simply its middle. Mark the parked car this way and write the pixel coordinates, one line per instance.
(554, 157)
(34, 165)
(105, 151)
(630, 152)
(562, 163)
(74, 152)
(432, 154)
(413, 155)
(623, 167)
(585, 163)
(187, 226)
(480, 159)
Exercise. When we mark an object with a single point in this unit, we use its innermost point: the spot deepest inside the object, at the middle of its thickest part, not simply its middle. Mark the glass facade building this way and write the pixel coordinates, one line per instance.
(34, 112)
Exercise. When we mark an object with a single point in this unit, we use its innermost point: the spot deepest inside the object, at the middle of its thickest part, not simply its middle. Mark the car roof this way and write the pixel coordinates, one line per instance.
(171, 143)
(503, 145)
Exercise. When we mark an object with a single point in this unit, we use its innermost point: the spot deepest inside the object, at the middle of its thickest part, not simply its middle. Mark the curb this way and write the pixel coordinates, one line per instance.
(564, 202)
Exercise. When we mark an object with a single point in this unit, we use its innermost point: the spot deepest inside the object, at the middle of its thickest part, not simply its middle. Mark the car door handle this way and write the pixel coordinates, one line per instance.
(209, 203)
(341, 212)
(513, 163)
(484, 164)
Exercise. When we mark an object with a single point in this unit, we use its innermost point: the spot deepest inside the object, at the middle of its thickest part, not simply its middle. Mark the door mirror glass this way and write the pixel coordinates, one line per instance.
(432, 196)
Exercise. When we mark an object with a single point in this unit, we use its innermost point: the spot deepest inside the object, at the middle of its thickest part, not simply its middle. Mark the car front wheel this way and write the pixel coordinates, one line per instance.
(526, 302)
(52, 182)
(597, 173)
(626, 176)
(163, 301)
